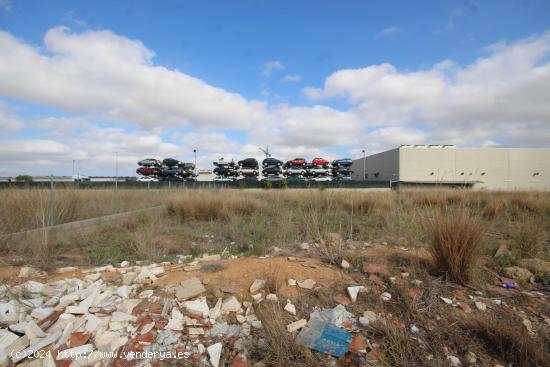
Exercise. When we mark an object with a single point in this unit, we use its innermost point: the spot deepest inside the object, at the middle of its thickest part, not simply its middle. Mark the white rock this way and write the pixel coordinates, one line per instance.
(291, 282)
(129, 277)
(146, 294)
(198, 307)
(231, 304)
(241, 319)
(257, 285)
(385, 296)
(345, 264)
(306, 284)
(272, 297)
(447, 301)
(41, 313)
(28, 272)
(215, 312)
(93, 277)
(123, 291)
(414, 329)
(92, 323)
(257, 324)
(454, 361)
(296, 325)
(124, 264)
(470, 358)
(118, 316)
(258, 297)
(304, 246)
(195, 331)
(367, 318)
(174, 324)
(480, 306)
(215, 352)
(354, 291)
(290, 308)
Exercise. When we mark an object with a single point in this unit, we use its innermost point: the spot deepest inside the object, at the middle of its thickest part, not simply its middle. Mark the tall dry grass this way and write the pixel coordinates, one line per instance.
(455, 240)
(23, 209)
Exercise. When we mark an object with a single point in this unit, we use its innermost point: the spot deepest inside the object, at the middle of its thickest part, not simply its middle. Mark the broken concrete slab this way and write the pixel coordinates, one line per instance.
(257, 285)
(296, 325)
(198, 307)
(306, 284)
(231, 304)
(290, 308)
(214, 353)
(190, 288)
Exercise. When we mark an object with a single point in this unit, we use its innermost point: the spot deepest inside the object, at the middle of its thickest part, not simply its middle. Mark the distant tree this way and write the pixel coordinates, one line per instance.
(23, 178)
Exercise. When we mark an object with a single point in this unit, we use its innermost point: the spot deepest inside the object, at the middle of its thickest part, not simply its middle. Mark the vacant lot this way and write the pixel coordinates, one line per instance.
(254, 221)
(448, 275)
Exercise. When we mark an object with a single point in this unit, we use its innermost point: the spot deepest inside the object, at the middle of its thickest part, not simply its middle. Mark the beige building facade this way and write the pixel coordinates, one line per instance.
(488, 168)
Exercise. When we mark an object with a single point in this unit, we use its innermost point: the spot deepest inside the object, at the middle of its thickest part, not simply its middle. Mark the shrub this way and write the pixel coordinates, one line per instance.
(455, 241)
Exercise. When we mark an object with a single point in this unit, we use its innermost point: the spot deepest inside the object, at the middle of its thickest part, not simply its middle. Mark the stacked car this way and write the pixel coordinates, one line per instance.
(149, 169)
(272, 168)
(249, 168)
(295, 169)
(341, 169)
(170, 169)
(225, 171)
(319, 170)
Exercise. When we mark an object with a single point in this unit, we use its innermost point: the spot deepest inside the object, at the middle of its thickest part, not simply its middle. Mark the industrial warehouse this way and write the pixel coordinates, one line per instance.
(448, 165)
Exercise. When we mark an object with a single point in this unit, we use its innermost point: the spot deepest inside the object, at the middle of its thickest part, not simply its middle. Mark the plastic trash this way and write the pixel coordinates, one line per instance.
(336, 316)
(324, 337)
(510, 284)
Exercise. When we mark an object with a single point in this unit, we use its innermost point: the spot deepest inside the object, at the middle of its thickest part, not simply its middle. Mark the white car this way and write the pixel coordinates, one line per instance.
(147, 179)
(322, 179)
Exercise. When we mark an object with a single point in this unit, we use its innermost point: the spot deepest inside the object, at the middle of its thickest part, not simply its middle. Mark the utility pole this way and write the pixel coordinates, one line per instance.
(195, 153)
(116, 170)
(364, 165)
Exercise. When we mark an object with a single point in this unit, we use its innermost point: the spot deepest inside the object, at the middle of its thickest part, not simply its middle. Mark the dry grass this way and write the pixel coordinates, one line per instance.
(24, 209)
(456, 239)
(278, 349)
(213, 206)
(527, 236)
(505, 340)
(253, 221)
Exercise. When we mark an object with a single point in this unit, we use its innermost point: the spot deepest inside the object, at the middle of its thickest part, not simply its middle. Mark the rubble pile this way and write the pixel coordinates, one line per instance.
(126, 315)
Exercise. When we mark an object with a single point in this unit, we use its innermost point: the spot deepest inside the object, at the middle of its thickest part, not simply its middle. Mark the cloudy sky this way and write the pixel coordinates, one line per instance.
(83, 80)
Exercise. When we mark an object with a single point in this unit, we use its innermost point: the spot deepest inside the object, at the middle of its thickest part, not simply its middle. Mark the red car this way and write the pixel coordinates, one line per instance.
(320, 162)
(147, 171)
(297, 162)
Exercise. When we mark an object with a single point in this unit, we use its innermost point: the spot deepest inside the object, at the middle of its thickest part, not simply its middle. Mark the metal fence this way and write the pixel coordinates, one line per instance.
(240, 184)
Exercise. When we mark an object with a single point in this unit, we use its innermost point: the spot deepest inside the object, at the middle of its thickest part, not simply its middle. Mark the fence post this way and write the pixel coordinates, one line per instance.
(52, 202)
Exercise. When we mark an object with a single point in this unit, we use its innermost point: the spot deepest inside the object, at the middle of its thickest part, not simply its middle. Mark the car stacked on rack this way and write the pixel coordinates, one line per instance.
(272, 169)
(225, 171)
(170, 169)
(341, 169)
(249, 168)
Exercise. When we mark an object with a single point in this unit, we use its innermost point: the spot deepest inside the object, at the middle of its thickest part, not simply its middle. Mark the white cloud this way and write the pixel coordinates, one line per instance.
(9, 122)
(291, 78)
(507, 88)
(271, 66)
(387, 32)
(104, 75)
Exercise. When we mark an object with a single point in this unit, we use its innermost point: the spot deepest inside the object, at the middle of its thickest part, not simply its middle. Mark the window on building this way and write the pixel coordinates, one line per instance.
(377, 174)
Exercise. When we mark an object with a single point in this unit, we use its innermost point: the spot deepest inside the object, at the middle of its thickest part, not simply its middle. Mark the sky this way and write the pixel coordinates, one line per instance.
(87, 81)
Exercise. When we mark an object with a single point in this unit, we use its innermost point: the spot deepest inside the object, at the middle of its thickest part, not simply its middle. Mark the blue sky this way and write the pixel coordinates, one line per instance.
(309, 78)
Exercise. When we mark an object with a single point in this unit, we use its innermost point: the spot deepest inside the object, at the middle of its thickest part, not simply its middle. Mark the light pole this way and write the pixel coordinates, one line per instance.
(116, 170)
(364, 166)
(195, 153)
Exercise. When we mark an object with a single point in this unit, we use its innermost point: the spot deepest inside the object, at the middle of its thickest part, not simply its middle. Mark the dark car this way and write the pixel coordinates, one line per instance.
(249, 163)
(268, 162)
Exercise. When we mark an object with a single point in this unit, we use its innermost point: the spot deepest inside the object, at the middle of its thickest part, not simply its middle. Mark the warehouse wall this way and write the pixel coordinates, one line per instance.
(495, 168)
(379, 167)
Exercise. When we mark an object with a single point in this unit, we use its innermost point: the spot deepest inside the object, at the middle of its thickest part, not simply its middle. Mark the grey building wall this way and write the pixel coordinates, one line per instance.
(378, 167)
(490, 168)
